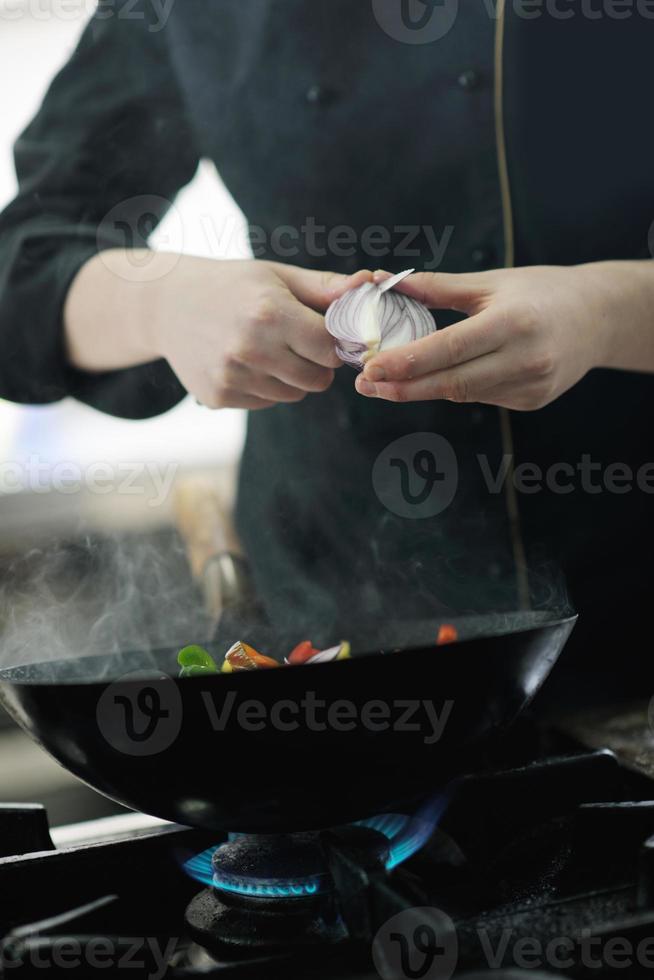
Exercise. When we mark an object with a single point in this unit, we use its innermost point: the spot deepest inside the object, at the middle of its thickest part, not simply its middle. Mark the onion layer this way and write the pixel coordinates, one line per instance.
(367, 320)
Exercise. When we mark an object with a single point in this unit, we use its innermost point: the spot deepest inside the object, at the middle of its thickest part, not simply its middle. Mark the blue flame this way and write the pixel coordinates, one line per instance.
(200, 867)
(419, 828)
(265, 888)
(406, 836)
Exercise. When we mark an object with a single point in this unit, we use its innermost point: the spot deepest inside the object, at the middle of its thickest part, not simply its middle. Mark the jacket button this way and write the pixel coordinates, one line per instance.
(319, 95)
(468, 80)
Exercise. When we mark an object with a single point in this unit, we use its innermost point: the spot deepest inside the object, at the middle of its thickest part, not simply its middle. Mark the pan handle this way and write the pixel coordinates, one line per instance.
(214, 552)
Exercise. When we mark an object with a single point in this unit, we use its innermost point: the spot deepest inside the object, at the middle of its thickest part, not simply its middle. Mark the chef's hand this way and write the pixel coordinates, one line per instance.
(247, 334)
(531, 333)
(238, 334)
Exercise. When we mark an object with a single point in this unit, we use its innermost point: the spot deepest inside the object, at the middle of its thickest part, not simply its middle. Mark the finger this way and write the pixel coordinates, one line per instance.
(318, 289)
(464, 292)
(298, 352)
(297, 329)
(465, 383)
(307, 335)
(241, 378)
(298, 372)
(458, 344)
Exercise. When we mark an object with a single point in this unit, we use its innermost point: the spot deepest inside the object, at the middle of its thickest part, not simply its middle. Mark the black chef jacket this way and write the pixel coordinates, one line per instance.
(315, 112)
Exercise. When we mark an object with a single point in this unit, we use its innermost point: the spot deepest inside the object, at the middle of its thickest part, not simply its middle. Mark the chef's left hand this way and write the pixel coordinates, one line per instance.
(531, 333)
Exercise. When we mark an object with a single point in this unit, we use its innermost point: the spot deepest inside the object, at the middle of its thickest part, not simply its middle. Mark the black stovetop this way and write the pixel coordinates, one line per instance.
(541, 865)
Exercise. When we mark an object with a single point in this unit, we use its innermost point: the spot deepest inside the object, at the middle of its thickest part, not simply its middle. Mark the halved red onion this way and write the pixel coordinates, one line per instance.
(367, 320)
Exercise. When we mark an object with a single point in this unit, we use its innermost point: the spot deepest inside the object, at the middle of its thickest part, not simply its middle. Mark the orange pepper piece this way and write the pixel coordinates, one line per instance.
(244, 657)
(446, 634)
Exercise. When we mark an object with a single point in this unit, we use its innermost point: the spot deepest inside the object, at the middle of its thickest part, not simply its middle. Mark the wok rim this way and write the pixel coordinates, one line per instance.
(6, 678)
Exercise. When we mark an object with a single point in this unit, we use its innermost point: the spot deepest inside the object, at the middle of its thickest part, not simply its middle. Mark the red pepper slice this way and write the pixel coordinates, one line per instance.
(302, 652)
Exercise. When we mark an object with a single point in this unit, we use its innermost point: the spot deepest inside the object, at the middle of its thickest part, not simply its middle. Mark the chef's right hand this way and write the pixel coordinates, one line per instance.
(238, 334)
(247, 334)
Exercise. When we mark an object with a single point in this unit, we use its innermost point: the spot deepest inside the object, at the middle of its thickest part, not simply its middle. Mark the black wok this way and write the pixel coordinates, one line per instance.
(155, 743)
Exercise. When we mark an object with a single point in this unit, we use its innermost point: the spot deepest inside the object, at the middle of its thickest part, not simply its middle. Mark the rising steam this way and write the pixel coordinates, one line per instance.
(99, 596)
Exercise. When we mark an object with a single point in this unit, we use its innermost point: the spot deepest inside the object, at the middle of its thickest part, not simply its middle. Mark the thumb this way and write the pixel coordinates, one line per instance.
(463, 292)
(318, 289)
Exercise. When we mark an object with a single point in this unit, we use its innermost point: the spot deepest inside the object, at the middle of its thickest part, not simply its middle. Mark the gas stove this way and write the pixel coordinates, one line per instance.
(540, 864)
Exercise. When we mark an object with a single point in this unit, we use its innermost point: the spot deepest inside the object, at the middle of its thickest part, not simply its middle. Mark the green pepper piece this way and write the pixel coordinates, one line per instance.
(195, 661)
(195, 670)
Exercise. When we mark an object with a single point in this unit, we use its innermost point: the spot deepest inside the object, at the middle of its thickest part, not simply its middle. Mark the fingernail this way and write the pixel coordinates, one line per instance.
(365, 388)
(374, 372)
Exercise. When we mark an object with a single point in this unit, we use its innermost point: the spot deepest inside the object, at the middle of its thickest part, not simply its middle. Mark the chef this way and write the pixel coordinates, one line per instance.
(514, 137)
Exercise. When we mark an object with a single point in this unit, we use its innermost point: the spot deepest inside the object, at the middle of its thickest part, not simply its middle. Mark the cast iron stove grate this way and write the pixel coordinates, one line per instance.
(545, 868)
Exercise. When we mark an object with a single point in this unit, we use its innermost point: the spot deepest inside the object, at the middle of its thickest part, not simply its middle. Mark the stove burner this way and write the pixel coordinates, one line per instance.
(229, 868)
(268, 890)
(283, 866)
(213, 867)
(276, 890)
(270, 867)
